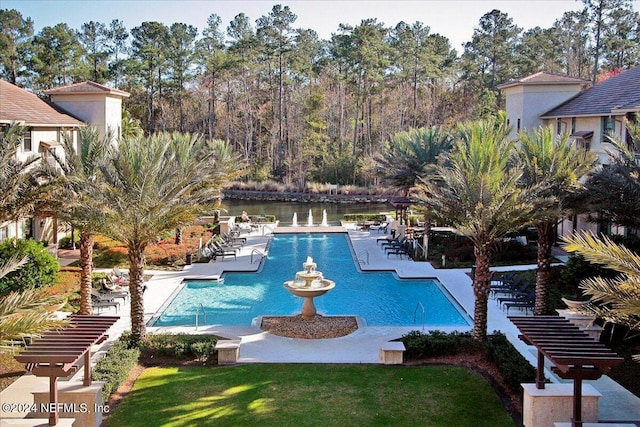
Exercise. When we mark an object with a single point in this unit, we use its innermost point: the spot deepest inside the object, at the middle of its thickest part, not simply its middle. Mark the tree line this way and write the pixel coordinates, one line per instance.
(297, 107)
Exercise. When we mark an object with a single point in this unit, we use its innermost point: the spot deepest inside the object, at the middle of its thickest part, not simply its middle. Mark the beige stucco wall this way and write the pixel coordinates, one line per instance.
(529, 102)
(100, 110)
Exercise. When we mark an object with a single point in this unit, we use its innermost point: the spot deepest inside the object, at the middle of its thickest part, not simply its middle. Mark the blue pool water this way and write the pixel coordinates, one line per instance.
(378, 297)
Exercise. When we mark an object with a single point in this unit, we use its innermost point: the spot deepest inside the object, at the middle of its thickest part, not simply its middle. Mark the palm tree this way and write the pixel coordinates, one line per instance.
(474, 190)
(405, 157)
(554, 165)
(78, 205)
(154, 185)
(18, 187)
(616, 300)
(23, 314)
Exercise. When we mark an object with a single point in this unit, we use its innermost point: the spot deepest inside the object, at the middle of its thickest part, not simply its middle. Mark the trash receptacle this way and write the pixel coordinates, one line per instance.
(189, 258)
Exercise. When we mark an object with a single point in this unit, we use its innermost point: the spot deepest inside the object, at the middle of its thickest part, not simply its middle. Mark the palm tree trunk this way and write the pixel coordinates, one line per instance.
(481, 288)
(178, 239)
(136, 289)
(86, 270)
(545, 239)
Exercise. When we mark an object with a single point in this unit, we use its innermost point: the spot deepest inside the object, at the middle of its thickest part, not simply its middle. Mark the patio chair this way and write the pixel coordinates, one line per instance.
(515, 285)
(517, 298)
(221, 246)
(219, 251)
(99, 301)
(379, 227)
(114, 291)
(395, 243)
(233, 239)
(528, 304)
(122, 276)
(397, 251)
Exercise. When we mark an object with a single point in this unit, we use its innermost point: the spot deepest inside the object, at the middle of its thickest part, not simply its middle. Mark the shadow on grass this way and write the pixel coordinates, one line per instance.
(309, 395)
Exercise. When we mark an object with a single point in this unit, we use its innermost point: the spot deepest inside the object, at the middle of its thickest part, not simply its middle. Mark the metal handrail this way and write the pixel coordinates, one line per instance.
(365, 262)
(200, 307)
(424, 313)
(255, 251)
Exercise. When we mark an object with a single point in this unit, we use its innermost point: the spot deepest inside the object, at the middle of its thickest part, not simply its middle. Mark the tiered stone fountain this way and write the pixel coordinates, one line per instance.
(309, 284)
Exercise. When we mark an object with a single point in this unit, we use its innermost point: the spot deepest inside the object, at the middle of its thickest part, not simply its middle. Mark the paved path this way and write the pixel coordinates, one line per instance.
(257, 346)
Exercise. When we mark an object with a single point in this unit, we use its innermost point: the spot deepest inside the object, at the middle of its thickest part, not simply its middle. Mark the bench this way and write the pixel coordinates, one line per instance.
(228, 351)
(391, 352)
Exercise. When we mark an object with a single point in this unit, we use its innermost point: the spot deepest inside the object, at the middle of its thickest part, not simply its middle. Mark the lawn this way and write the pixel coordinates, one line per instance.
(311, 395)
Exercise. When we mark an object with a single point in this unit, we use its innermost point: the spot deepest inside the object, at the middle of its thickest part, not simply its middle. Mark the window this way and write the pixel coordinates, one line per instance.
(518, 127)
(4, 233)
(608, 126)
(573, 125)
(26, 140)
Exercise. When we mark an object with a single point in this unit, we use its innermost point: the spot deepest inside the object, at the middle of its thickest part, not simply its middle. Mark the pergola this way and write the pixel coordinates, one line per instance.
(401, 205)
(576, 356)
(55, 353)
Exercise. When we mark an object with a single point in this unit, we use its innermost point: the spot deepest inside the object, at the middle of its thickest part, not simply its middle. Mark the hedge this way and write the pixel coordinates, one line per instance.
(115, 366)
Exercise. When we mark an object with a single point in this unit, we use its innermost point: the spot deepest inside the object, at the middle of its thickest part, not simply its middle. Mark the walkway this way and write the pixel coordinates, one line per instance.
(257, 346)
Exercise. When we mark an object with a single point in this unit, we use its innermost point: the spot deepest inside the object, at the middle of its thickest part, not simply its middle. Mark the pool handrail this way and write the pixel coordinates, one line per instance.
(200, 307)
(424, 312)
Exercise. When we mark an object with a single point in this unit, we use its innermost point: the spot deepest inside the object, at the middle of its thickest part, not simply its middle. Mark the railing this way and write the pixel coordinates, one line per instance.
(424, 313)
(366, 260)
(204, 314)
(257, 252)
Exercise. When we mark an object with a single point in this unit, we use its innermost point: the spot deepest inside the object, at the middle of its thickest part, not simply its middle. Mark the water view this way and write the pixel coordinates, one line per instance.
(284, 210)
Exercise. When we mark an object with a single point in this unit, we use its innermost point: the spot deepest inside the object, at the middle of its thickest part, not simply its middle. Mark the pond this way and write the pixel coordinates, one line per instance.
(284, 210)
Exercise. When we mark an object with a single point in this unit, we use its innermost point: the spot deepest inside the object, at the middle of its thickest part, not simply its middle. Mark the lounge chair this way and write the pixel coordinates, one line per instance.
(114, 291)
(379, 227)
(219, 251)
(220, 246)
(528, 304)
(122, 276)
(233, 239)
(397, 251)
(99, 301)
(398, 242)
(518, 298)
(507, 288)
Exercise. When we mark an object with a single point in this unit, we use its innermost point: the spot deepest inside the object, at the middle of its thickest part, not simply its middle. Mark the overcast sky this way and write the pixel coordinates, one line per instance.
(454, 19)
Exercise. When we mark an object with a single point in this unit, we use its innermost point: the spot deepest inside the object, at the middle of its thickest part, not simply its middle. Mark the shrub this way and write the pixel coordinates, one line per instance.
(576, 270)
(364, 217)
(179, 346)
(65, 242)
(437, 343)
(40, 269)
(514, 367)
(114, 367)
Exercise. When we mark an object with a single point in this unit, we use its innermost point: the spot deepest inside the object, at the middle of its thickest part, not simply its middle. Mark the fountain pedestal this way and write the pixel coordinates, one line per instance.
(308, 285)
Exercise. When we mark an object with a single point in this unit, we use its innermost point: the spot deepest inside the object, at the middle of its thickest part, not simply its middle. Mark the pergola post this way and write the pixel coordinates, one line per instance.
(53, 400)
(577, 403)
(540, 371)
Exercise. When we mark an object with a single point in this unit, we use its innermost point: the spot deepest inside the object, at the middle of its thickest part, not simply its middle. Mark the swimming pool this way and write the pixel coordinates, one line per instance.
(380, 298)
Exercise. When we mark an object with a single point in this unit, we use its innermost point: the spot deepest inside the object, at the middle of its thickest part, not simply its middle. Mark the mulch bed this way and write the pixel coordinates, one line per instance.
(317, 328)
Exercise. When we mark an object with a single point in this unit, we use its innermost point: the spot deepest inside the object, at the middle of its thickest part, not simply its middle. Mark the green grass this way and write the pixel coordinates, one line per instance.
(311, 395)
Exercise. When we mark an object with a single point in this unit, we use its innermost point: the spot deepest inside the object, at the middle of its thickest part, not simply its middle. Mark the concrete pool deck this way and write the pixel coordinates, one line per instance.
(362, 346)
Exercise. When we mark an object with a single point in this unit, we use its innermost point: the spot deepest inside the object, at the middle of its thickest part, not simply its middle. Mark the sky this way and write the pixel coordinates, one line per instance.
(454, 19)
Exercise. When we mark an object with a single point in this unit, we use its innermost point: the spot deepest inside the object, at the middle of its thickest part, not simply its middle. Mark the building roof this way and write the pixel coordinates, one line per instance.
(619, 94)
(545, 78)
(19, 105)
(85, 88)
